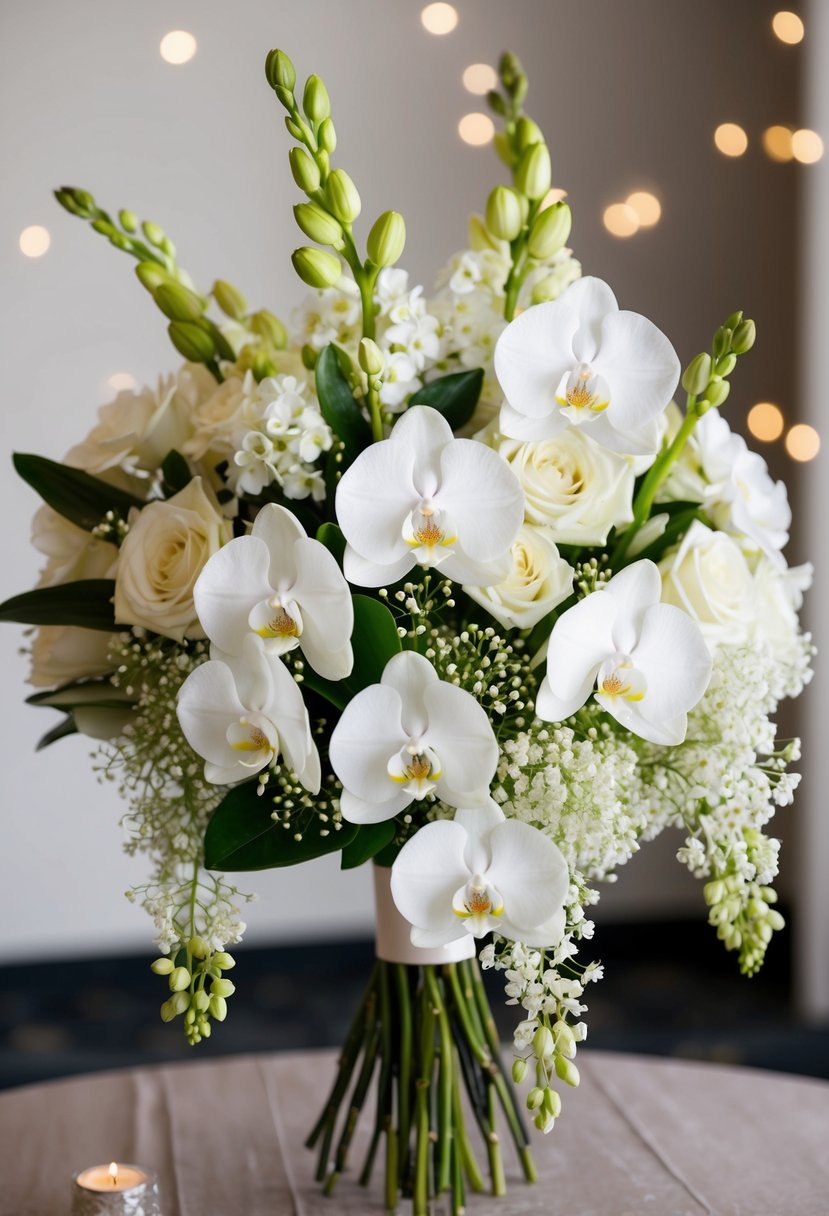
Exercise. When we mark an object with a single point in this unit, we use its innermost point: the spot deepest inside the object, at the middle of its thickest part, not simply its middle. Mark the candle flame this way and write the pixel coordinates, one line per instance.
(113, 1172)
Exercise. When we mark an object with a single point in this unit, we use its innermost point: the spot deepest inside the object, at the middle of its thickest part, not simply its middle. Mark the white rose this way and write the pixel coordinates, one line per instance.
(216, 418)
(63, 653)
(778, 595)
(137, 430)
(72, 552)
(540, 579)
(572, 485)
(708, 577)
(163, 554)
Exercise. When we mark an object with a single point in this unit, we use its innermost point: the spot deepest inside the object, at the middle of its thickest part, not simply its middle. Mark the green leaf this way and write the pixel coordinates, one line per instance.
(374, 641)
(91, 694)
(455, 396)
(77, 496)
(61, 731)
(176, 473)
(87, 602)
(339, 409)
(243, 836)
(370, 839)
(334, 541)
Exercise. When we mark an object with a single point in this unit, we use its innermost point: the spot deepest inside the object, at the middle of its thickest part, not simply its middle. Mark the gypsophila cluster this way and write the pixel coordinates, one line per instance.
(280, 435)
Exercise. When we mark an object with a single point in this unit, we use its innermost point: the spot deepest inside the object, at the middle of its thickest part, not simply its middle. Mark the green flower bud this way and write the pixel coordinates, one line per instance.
(387, 238)
(151, 275)
(503, 147)
(496, 103)
(315, 100)
(222, 988)
(309, 357)
(128, 220)
(519, 1070)
(774, 919)
(697, 374)
(370, 357)
(179, 1001)
(167, 1011)
(167, 247)
(543, 1044)
(509, 69)
(503, 213)
(564, 1039)
(744, 337)
(318, 224)
(546, 289)
(190, 1016)
(162, 966)
(534, 174)
(179, 979)
(205, 1030)
(342, 196)
(177, 303)
(105, 227)
(152, 232)
(528, 133)
(552, 1103)
(316, 267)
(191, 341)
(268, 327)
(201, 1000)
(717, 392)
(234, 305)
(722, 341)
(327, 135)
(120, 242)
(734, 320)
(713, 891)
(543, 1122)
(567, 1072)
(198, 947)
(221, 958)
(550, 230)
(304, 170)
(218, 1007)
(293, 128)
(76, 202)
(726, 365)
(279, 70)
(535, 1098)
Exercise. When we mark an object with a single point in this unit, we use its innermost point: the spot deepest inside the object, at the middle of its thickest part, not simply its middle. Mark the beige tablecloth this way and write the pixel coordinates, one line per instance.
(639, 1136)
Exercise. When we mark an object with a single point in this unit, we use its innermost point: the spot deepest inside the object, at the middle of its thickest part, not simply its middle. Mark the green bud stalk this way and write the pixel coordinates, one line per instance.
(315, 100)
(370, 357)
(128, 220)
(268, 327)
(697, 374)
(218, 1007)
(177, 303)
(305, 172)
(191, 341)
(279, 70)
(550, 231)
(151, 275)
(201, 1001)
(543, 1045)
(327, 136)
(234, 305)
(534, 174)
(223, 988)
(223, 960)
(319, 225)
(519, 1070)
(316, 267)
(179, 979)
(162, 966)
(387, 238)
(535, 1098)
(342, 196)
(567, 1071)
(527, 133)
(743, 337)
(504, 217)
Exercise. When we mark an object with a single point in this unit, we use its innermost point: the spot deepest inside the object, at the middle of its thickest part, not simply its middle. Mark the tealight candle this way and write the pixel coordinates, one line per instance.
(115, 1190)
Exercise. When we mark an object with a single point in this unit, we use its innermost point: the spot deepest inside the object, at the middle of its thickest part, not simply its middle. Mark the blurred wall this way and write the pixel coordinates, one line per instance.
(629, 95)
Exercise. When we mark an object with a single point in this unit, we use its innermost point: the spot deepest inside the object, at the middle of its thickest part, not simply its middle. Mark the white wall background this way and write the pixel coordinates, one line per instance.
(628, 94)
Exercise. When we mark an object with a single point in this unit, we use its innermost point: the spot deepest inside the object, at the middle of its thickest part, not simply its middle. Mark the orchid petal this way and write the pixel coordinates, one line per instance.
(640, 365)
(410, 674)
(425, 432)
(461, 734)
(592, 300)
(287, 711)
(327, 610)
(581, 639)
(548, 934)
(482, 498)
(373, 498)
(461, 569)
(533, 353)
(232, 582)
(364, 573)
(279, 529)
(642, 439)
(530, 430)
(223, 774)
(367, 735)
(673, 657)
(207, 703)
(667, 732)
(426, 874)
(635, 589)
(530, 872)
(251, 672)
(429, 939)
(360, 810)
(478, 822)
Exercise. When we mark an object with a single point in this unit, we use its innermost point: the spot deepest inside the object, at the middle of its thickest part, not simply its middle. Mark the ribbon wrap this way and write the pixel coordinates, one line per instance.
(392, 932)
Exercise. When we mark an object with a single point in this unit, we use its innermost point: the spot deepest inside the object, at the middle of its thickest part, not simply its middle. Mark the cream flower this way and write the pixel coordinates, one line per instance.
(573, 486)
(72, 552)
(540, 579)
(63, 653)
(778, 596)
(708, 577)
(162, 556)
(216, 418)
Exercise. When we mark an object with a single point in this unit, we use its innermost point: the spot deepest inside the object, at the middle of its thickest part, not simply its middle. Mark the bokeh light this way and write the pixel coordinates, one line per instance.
(177, 47)
(807, 146)
(777, 143)
(34, 241)
(730, 139)
(479, 78)
(765, 421)
(121, 382)
(439, 18)
(620, 220)
(476, 129)
(803, 442)
(647, 207)
(788, 27)
(554, 195)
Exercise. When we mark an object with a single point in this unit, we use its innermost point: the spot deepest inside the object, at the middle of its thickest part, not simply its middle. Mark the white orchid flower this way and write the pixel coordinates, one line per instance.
(580, 361)
(238, 712)
(481, 872)
(423, 496)
(645, 662)
(408, 736)
(282, 586)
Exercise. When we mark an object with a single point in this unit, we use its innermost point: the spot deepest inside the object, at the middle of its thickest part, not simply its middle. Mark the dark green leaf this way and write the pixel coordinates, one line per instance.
(87, 603)
(176, 473)
(370, 839)
(91, 694)
(61, 731)
(334, 541)
(243, 836)
(374, 641)
(455, 396)
(77, 496)
(339, 409)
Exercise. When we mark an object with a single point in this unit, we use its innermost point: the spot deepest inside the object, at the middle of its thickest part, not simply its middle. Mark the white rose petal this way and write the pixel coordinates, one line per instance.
(708, 577)
(540, 579)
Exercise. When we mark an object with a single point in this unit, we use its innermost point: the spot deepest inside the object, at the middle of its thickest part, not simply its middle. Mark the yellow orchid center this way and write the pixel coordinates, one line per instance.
(583, 389)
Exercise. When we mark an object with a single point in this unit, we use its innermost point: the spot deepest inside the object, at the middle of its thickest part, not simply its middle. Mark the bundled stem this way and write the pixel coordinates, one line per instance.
(431, 1031)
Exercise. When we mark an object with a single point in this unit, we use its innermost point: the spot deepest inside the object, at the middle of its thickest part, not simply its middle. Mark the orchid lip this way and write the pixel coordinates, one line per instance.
(254, 738)
(426, 533)
(416, 769)
(478, 905)
(619, 677)
(582, 394)
(278, 621)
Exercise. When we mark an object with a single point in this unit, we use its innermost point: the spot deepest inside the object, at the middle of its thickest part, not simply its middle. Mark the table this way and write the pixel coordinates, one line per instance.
(639, 1136)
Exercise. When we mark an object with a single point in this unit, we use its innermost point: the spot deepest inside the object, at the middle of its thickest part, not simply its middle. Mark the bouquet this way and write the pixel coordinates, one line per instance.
(448, 583)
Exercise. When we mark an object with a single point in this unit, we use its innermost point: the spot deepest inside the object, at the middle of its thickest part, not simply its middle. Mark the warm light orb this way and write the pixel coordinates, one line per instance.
(476, 129)
(554, 195)
(647, 207)
(34, 241)
(765, 421)
(788, 27)
(179, 46)
(777, 143)
(803, 442)
(620, 220)
(479, 78)
(439, 18)
(807, 146)
(121, 382)
(113, 1171)
(730, 139)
